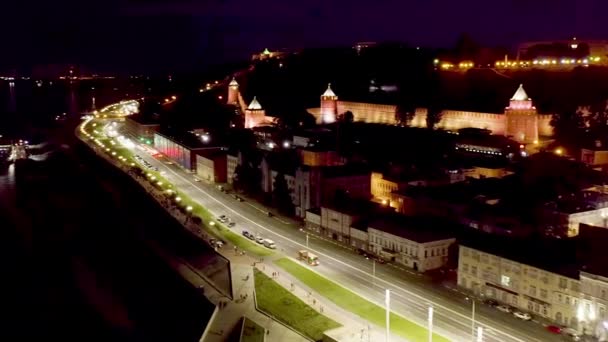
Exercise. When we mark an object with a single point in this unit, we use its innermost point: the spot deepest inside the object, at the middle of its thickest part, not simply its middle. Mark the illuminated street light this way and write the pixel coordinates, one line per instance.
(178, 199)
(430, 324)
(212, 223)
(286, 144)
(387, 303)
(173, 97)
(159, 183)
(559, 151)
(189, 208)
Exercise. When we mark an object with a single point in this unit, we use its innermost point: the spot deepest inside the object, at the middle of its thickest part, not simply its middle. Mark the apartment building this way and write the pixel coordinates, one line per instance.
(536, 278)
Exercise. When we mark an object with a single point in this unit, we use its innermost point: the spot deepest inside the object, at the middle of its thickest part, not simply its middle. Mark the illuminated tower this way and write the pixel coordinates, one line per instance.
(521, 118)
(329, 106)
(233, 92)
(254, 115)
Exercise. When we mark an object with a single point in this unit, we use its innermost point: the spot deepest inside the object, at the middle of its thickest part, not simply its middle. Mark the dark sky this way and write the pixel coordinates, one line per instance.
(165, 35)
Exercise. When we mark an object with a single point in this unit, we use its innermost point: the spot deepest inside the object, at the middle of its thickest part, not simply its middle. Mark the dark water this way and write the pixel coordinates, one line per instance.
(72, 264)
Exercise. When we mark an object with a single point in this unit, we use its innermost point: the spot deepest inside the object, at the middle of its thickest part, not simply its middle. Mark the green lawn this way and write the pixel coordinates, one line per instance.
(277, 301)
(352, 302)
(252, 332)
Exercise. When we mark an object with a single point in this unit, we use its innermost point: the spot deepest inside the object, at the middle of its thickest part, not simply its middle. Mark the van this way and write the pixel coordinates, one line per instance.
(269, 244)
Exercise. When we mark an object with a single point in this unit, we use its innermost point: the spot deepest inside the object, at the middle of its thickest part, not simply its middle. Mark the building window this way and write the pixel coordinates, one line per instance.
(465, 268)
(474, 270)
(465, 251)
(574, 286)
(543, 293)
(544, 310)
(603, 294)
(563, 283)
(530, 306)
(505, 280)
(533, 291)
(425, 253)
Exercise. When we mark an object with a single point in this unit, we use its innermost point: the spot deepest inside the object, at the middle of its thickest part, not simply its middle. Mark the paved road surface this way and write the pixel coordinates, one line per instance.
(411, 297)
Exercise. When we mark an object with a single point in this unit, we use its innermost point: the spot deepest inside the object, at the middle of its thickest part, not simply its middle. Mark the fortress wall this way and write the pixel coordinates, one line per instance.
(455, 119)
(369, 112)
(544, 125)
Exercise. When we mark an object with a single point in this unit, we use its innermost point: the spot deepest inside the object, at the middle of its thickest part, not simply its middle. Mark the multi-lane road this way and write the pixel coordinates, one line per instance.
(411, 294)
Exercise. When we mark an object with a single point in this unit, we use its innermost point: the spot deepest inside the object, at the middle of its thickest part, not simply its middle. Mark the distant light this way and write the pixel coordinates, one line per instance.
(167, 100)
(536, 142)
(178, 199)
(286, 144)
(559, 151)
(220, 97)
(216, 82)
(435, 61)
(521, 146)
(159, 183)
(270, 145)
(205, 138)
(384, 202)
(174, 97)
(189, 208)
(212, 223)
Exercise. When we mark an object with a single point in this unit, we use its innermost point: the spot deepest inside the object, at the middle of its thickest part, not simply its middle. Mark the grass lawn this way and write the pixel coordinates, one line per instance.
(352, 302)
(277, 301)
(252, 332)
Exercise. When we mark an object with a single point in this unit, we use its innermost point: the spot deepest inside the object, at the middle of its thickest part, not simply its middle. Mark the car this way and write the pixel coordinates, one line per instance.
(490, 302)
(219, 243)
(222, 217)
(572, 333)
(522, 315)
(251, 236)
(554, 329)
(246, 233)
(504, 308)
(231, 224)
(259, 240)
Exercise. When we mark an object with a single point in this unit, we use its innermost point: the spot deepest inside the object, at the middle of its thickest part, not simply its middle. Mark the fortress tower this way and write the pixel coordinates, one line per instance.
(254, 114)
(233, 92)
(521, 118)
(329, 106)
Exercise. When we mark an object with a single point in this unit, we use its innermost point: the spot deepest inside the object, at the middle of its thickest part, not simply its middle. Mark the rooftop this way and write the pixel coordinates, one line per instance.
(254, 105)
(184, 138)
(212, 153)
(416, 228)
(520, 94)
(558, 256)
(233, 83)
(328, 92)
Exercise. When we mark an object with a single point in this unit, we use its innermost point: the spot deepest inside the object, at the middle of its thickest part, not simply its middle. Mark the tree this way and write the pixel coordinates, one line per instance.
(404, 115)
(433, 115)
(346, 117)
(282, 195)
(569, 128)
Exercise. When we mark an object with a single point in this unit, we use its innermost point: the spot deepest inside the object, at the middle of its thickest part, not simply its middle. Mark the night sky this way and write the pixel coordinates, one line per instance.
(159, 35)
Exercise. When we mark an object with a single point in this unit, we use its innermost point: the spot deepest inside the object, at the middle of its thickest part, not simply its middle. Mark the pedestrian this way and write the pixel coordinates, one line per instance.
(267, 332)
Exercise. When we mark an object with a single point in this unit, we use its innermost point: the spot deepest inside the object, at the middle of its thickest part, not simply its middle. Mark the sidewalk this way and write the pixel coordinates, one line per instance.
(354, 328)
(229, 316)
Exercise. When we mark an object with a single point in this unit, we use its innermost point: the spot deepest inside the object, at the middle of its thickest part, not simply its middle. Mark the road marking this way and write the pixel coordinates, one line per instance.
(410, 293)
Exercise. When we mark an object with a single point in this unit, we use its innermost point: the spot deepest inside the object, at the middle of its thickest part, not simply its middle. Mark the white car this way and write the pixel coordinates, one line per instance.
(572, 333)
(504, 308)
(259, 240)
(522, 315)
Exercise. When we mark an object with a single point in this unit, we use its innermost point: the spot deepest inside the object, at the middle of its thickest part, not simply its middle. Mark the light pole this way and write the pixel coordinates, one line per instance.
(306, 240)
(479, 334)
(387, 300)
(472, 317)
(430, 324)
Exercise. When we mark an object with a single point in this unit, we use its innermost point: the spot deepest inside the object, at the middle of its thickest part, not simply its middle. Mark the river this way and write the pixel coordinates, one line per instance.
(73, 268)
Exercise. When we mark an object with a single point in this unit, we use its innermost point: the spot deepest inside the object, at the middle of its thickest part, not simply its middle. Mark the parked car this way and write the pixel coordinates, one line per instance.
(231, 224)
(259, 240)
(490, 302)
(522, 315)
(246, 233)
(504, 308)
(572, 333)
(554, 329)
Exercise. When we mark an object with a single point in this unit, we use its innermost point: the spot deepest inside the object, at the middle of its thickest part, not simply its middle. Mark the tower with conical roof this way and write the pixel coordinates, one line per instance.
(254, 114)
(521, 118)
(233, 92)
(329, 106)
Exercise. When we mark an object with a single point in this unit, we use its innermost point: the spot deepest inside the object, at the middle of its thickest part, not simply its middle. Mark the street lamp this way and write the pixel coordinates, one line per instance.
(479, 334)
(387, 303)
(430, 324)
(472, 316)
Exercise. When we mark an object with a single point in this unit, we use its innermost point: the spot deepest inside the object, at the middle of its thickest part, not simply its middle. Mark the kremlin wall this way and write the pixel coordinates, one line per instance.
(520, 120)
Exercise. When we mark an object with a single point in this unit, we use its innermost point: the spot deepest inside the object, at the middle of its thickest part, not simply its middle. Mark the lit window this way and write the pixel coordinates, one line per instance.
(505, 280)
